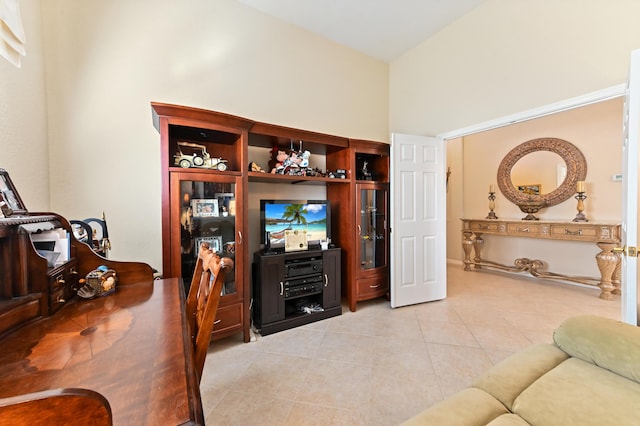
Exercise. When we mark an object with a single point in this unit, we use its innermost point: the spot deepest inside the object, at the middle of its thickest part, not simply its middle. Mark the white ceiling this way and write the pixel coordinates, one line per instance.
(383, 29)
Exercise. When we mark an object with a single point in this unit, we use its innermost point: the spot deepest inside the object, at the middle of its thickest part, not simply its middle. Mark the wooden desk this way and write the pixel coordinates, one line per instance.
(132, 347)
(605, 235)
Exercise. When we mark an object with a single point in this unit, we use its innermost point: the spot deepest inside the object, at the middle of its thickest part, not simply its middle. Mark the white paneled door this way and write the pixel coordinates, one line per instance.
(418, 217)
(630, 192)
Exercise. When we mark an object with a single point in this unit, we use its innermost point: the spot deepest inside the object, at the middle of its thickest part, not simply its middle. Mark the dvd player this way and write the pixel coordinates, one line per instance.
(302, 286)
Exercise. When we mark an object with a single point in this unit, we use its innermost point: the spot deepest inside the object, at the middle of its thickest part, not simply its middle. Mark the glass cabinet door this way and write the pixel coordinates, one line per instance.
(207, 215)
(372, 227)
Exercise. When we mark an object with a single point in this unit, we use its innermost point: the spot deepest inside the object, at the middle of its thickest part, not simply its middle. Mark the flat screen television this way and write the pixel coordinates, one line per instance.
(278, 216)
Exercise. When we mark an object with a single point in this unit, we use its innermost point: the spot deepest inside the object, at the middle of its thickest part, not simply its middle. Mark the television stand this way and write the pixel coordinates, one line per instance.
(293, 289)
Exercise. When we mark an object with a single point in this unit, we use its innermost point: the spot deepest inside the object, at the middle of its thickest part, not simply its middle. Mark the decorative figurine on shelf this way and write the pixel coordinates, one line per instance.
(293, 163)
(366, 174)
(278, 157)
(338, 174)
(580, 190)
(303, 159)
(196, 155)
(255, 167)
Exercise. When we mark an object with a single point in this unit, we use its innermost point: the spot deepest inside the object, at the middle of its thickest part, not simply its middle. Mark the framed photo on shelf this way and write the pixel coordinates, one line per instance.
(10, 200)
(227, 203)
(215, 244)
(205, 207)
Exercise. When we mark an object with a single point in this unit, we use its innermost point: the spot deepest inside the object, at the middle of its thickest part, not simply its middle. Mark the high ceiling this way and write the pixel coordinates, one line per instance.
(383, 29)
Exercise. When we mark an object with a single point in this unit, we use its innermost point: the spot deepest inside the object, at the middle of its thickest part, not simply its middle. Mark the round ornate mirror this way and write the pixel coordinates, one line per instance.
(528, 195)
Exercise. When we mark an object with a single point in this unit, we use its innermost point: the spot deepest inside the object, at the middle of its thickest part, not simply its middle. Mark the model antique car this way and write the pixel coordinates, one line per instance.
(196, 155)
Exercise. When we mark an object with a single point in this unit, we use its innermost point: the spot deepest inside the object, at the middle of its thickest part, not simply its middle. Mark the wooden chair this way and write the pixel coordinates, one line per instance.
(56, 407)
(97, 234)
(203, 300)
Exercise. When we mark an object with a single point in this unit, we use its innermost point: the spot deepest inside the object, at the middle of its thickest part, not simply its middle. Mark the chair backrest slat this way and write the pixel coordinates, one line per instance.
(203, 300)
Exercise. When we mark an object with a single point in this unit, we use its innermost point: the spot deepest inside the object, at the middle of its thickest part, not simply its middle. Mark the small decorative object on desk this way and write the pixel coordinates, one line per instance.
(580, 189)
(492, 202)
(99, 282)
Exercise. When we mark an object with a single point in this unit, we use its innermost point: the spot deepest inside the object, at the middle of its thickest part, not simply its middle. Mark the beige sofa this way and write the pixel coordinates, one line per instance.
(589, 376)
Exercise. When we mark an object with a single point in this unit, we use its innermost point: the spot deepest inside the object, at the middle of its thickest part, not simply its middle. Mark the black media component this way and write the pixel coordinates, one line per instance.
(305, 266)
(303, 286)
(292, 289)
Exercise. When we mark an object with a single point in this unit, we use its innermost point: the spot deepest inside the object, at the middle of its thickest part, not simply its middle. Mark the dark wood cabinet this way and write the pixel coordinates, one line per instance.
(203, 163)
(331, 293)
(372, 233)
(293, 289)
(363, 231)
(268, 289)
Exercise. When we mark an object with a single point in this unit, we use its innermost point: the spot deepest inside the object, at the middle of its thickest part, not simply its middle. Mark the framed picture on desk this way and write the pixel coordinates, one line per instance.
(10, 200)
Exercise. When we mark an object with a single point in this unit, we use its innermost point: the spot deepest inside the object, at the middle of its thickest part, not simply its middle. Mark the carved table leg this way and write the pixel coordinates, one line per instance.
(616, 279)
(467, 244)
(607, 261)
(478, 242)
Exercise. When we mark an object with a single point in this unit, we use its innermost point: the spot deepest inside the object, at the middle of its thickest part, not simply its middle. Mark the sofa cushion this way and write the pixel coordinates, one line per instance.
(508, 420)
(507, 379)
(469, 407)
(577, 392)
(607, 343)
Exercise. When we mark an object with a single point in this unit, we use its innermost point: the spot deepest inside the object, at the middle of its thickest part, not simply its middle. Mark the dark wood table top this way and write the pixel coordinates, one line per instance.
(131, 346)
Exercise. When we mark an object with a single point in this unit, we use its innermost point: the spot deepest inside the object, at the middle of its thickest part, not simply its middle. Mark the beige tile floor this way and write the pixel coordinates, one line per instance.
(380, 366)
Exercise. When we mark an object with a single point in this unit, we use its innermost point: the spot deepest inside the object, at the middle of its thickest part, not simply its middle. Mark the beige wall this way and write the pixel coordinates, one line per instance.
(455, 205)
(503, 58)
(596, 130)
(23, 119)
(508, 56)
(107, 60)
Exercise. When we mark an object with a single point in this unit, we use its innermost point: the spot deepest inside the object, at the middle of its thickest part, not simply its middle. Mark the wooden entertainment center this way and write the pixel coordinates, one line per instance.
(358, 196)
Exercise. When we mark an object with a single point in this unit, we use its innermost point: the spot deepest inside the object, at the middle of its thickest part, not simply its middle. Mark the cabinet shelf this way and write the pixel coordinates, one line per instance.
(360, 181)
(208, 171)
(307, 180)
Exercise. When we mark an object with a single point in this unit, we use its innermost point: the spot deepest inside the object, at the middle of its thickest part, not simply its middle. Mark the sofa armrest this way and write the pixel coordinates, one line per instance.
(607, 343)
(507, 379)
(469, 407)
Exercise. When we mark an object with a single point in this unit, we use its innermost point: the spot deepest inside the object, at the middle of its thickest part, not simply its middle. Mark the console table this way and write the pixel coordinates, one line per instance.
(605, 235)
(131, 346)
